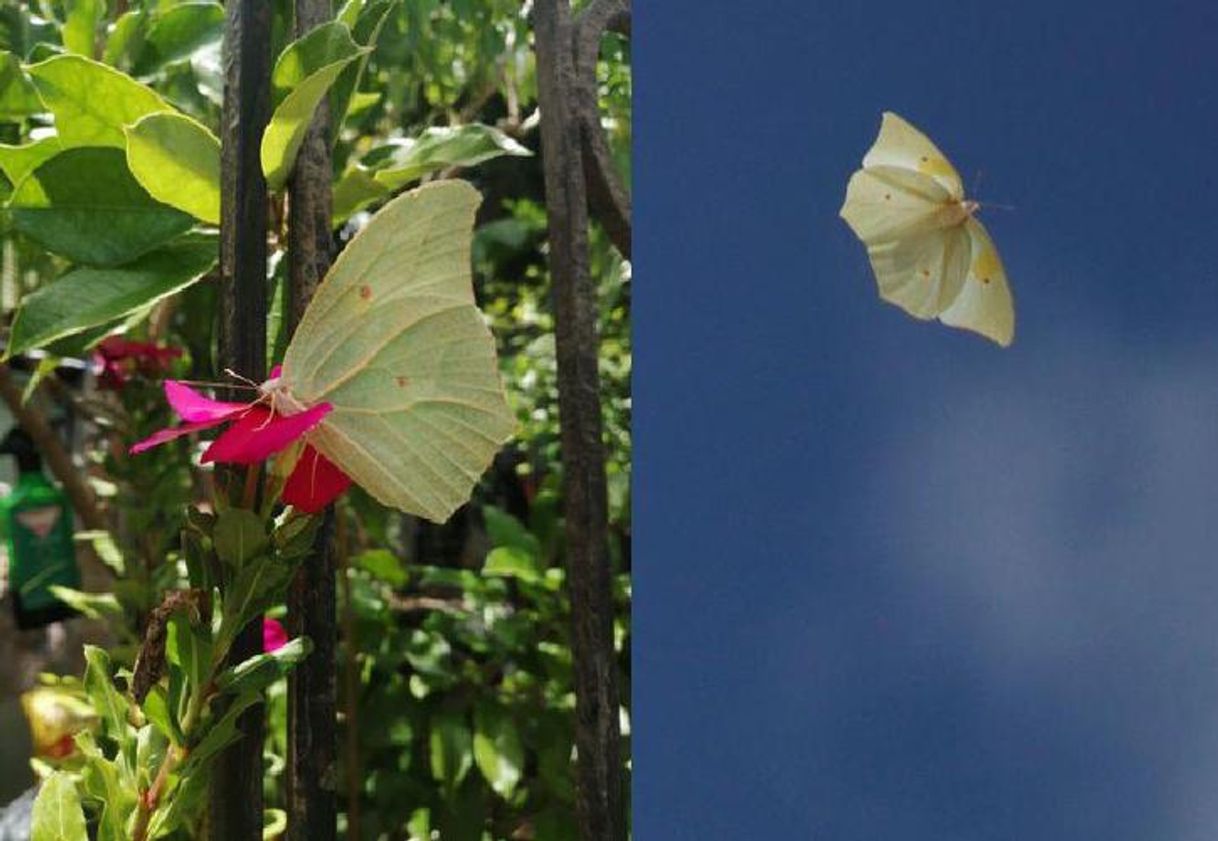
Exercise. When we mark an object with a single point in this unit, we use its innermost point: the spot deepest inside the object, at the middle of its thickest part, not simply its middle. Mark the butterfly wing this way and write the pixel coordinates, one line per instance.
(393, 339)
(984, 304)
(901, 145)
(922, 274)
(887, 203)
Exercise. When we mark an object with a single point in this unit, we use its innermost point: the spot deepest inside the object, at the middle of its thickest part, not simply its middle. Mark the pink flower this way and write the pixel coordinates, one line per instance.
(274, 637)
(257, 432)
(117, 359)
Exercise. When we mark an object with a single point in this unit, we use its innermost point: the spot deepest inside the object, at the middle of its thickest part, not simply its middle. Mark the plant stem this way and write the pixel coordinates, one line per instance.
(250, 496)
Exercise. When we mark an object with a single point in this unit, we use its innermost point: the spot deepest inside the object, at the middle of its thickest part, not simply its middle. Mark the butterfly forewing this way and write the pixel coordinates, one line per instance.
(394, 341)
(900, 144)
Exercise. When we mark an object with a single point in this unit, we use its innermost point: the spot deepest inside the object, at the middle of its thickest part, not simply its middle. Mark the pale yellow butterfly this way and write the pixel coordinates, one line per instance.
(393, 340)
(931, 256)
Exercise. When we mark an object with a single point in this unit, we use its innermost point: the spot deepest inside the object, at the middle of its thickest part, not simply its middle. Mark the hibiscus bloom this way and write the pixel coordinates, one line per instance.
(259, 430)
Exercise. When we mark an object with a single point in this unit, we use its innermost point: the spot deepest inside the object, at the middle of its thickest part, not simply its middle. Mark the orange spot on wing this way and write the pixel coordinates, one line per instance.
(365, 292)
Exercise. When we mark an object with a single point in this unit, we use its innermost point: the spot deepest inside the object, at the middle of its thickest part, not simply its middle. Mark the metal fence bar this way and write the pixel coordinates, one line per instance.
(599, 773)
(312, 700)
(235, 812)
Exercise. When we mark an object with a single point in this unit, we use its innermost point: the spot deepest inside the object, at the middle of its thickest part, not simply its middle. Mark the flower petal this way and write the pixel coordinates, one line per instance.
(162, 435)
(194, 407)
(274, 637)
(258, 434)
(315, 483)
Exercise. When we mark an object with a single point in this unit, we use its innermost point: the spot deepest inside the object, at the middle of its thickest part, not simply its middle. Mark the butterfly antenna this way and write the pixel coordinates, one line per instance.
(237, 376)
(996, 205)
(213, 384)
(976, 182)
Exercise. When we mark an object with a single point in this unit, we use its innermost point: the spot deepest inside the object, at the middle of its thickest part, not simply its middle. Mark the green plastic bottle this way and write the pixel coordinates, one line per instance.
(37, 525)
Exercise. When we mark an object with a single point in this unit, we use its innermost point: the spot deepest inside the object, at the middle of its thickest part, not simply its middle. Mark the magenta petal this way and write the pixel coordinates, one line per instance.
(276, 371)
(258, 434)
(274, 637)
(162, 435)
(315, 482)
(194, 407)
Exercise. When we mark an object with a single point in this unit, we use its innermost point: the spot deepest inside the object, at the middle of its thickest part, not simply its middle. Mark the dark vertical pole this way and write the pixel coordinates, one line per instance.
(312, 701)
(599, 772)
(236, 781)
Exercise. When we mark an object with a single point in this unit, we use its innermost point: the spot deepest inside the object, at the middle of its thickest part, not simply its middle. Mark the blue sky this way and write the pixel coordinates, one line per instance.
(891, 580)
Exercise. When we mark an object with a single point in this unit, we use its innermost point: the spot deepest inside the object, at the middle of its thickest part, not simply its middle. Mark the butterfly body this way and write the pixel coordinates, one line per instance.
(930, 254)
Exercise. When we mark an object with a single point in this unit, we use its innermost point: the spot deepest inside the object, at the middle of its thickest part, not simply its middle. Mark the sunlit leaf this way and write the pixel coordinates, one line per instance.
(177, 160)
(497, 748)
(92, 102)
(58, 815)
(290, 121)
(439, 147)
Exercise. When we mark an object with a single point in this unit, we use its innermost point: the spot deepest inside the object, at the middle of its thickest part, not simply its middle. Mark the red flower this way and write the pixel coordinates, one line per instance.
(257, 432)
(274, 637)
(117, 359)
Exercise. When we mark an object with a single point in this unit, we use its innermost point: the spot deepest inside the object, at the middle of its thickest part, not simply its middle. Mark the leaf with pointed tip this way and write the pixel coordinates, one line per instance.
(87, 297)
(286, 130)
(92, 102)
(439, 147)
(177, 160)
(58, 815)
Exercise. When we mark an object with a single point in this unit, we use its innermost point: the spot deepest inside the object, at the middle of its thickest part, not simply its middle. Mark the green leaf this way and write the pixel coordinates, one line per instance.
(189, 647)
(102, 542)
(126, 38)
(58, 815)
(107, 700)
(451, 751)
(505, 530)
(103, 606)
(313, 52)
(18, 97)
(220, 735)
(86, 297)
(256, 587)
(101, 784)
(239, 535)
(497, 748)
(92, 102)
(178, 32)
(354, 191)
(19, 161)
(79, 30)
(156, 710)
(177, 160)
(286, 131)
(261, 670)
(384, 565)
(365, 20)
(511, 562)
(85, 205)
(439, 147)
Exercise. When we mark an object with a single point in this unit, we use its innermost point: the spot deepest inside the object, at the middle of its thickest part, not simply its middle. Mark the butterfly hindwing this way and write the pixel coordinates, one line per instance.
(984, 305)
